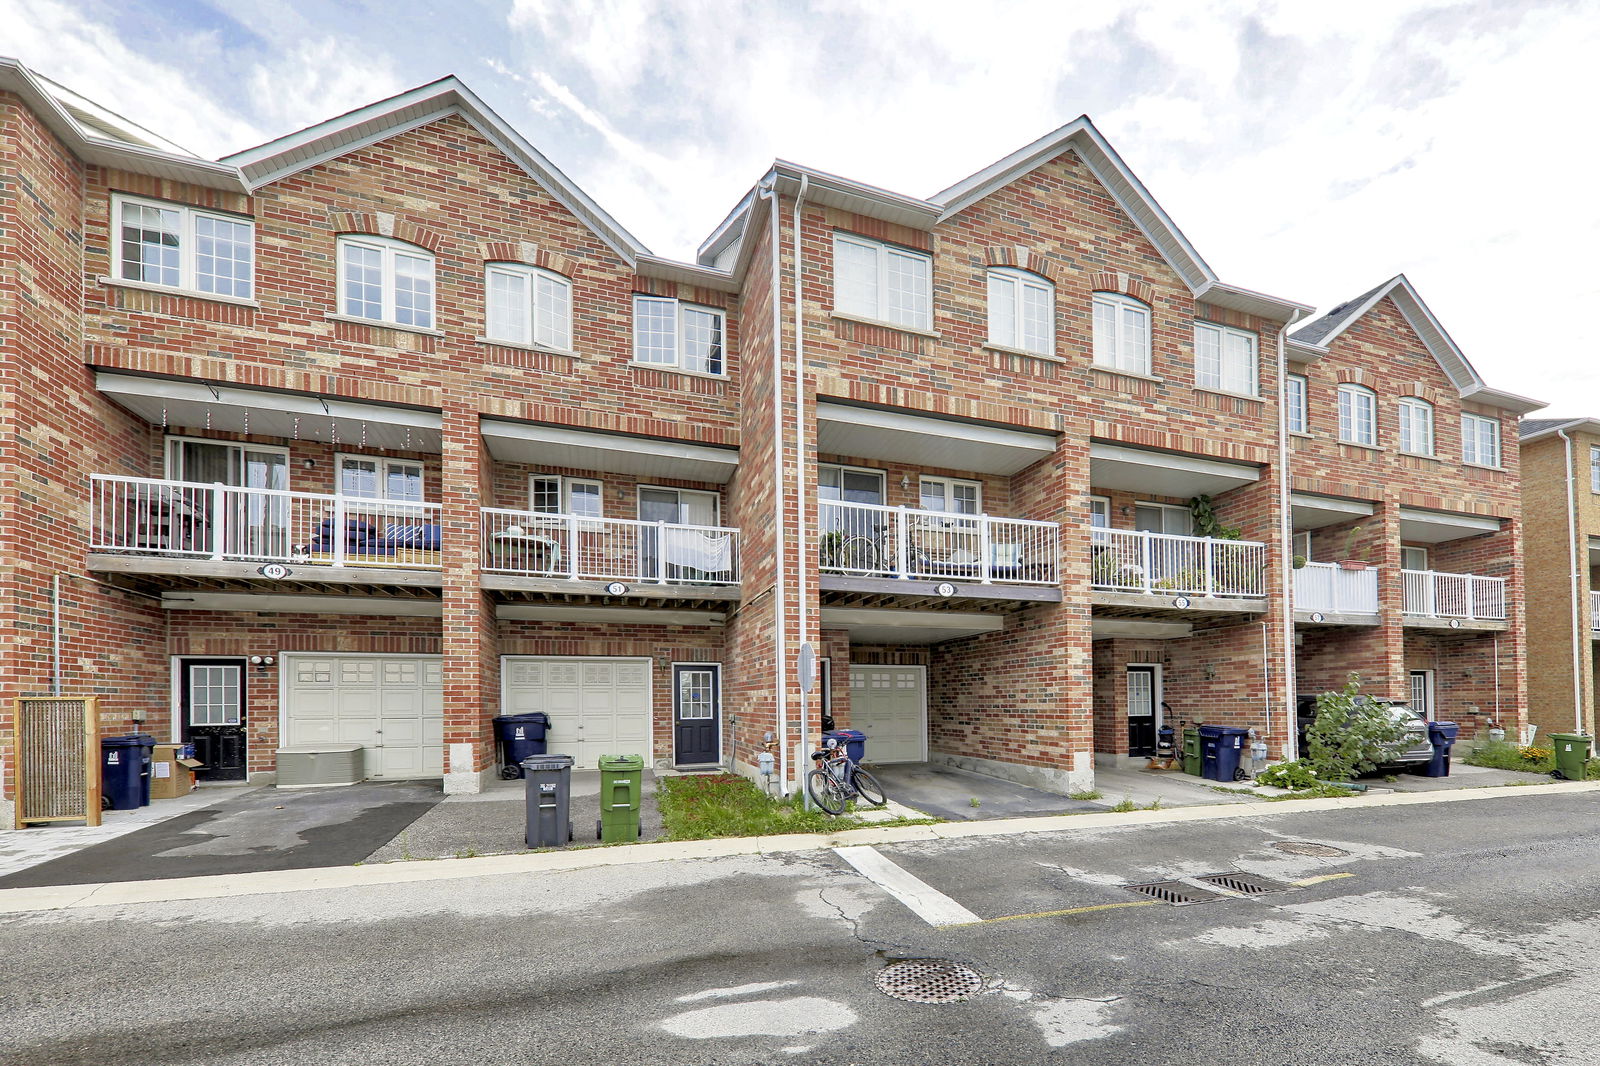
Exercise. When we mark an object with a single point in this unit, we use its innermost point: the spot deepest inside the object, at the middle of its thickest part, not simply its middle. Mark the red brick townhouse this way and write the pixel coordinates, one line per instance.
(377, 430)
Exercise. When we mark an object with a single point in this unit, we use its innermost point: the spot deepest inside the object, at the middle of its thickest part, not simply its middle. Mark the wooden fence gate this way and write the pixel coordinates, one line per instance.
(56, 753)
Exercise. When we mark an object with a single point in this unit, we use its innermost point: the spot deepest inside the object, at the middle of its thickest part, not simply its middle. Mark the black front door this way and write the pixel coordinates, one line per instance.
(697, 714)
(212, 704)
(1141, 710)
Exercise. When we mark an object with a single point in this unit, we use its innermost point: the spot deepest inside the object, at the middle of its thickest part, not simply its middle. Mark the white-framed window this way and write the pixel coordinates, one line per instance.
(183, 247)
(1224, 358)
(882, 282)
(386, 281)
(950, 495)
(1480, 441)
(371, 477)
(526, 305)
(1358, 415)
(1295, 408)
(553, 494)
(668, 332)
(1300, 544)
(1163, 518)
(1416, 425)
(1413, 558)
(1594, 468)
(1121, 333)
(1100, 512)
(1022, 311)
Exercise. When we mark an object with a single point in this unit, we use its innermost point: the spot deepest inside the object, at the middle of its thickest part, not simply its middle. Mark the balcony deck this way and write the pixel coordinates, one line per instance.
(1133, 572)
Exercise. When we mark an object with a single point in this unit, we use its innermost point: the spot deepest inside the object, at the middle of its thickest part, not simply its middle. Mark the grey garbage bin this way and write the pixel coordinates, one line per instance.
(549, 790)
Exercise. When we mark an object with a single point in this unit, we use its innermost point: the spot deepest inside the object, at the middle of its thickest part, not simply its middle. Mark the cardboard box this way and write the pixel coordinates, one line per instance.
(171, 775)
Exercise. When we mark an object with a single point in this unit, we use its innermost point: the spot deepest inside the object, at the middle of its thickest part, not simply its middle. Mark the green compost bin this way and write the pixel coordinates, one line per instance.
(621, 782)
(1191, 752)
(1572, 751)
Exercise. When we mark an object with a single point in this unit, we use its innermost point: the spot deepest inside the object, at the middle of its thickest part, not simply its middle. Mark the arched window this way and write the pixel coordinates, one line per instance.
(1121, 333)
(1416, 425)
(386, 281)
(1022, 311)
(1358, 415)
(526, 305)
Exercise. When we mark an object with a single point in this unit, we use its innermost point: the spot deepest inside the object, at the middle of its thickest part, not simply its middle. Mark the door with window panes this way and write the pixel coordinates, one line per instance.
(673, 553)
(866, 527)
(697, 717)
(1177, 563)
(254, 524)
(943, 544)
(211, 700)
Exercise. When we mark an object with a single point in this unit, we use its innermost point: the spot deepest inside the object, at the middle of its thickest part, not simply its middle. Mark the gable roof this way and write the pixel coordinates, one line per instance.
(1080, 136)
(1322, 332)
(379, 121)
(1534, 428)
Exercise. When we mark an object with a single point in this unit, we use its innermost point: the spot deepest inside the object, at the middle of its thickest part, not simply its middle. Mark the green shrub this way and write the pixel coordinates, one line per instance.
(1351, 734)
(1291, 775)
(1500, 755)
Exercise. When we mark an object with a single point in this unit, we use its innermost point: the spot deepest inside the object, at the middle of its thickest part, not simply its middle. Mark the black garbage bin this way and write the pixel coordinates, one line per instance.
(1221, 747)
(853, 741)
(1441, 735)
(521, 736)
(125, 770)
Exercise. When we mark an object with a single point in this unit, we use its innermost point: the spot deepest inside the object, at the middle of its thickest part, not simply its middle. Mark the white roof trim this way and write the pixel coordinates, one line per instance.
(383, 119)
(1361, 508)
(1189, 464)
(309, 404)
(1452, 520)
(598, 450)
(1587, 425)
(930, 425)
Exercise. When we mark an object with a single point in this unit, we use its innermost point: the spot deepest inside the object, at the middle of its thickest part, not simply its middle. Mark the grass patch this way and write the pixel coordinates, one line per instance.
(1499, 755)
(1232, 791)
(1085, 794)
(726, 805)
(1125, 806)
(1314, 792)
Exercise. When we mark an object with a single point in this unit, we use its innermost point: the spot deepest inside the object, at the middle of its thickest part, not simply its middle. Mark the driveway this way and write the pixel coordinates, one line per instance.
(263, 829)
(957, 795)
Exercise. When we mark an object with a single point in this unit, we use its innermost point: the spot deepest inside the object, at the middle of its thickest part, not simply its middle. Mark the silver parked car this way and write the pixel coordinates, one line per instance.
(1412, 749)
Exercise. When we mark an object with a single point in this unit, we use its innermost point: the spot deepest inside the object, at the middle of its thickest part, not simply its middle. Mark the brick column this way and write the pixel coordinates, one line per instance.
(471, 662)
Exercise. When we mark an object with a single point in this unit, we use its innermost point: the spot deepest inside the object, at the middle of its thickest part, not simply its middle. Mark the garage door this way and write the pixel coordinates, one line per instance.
(596, 706)
(886, 704)
(394, 707)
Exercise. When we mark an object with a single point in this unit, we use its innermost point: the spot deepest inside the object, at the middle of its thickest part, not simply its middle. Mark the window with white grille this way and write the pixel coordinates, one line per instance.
(1121, 333)
(882, 282)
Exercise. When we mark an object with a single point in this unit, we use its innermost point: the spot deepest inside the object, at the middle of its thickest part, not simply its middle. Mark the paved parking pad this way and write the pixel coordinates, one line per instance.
(944, 792)
(265, 829)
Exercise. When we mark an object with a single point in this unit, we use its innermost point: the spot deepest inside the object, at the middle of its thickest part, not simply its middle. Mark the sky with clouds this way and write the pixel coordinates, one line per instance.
(1307, 149)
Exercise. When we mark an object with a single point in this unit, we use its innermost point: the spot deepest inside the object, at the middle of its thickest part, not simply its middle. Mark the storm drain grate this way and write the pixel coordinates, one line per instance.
(1175, 892)
(1306, 847)
(929, 981)
(1244, 884)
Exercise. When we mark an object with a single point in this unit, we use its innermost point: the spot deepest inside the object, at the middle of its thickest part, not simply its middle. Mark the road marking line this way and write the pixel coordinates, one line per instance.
(923, 900)
(1069, 910)
(1308, 881)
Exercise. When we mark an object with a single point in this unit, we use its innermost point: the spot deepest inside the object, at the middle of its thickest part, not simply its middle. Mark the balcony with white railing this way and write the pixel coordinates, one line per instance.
(134, 516)
(1330, 589)
(873, 541)
(1468, 597)
(569, 547)
(1168, 564)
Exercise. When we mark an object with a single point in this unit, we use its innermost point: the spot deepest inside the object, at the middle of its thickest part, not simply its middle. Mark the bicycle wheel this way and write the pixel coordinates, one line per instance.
(826, 792)
(857, 554)
(868, 788)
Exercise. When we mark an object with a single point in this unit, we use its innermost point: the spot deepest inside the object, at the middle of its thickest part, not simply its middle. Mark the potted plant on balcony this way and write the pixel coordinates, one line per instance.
(1354, 558)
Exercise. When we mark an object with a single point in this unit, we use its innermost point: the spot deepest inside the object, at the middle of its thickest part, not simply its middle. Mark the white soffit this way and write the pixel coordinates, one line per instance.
(520, 442)
(1435, 527)
(540, 612)
(276, 603)
(1314, 512)
(1112, 466)
(883, 625)
(895, 436)
(1112, 628)
(194, 405)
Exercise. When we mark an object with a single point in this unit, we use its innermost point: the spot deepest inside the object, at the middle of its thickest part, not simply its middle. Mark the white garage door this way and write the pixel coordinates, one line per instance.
(392, 706)
(886, 704)
(596, 706)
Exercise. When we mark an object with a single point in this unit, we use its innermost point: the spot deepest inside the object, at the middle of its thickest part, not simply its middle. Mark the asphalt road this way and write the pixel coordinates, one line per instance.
(1463, 933)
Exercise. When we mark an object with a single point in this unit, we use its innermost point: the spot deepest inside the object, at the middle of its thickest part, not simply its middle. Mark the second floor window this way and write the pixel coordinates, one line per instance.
(550, 494)
(1358, 415)
(1224, 359)
(184, 247)
(373, 478)
(1594, 468)
(668, 332)
(882, 282)
(951, 496)
(526, 305)
(1480, 442)
(1121, 333)
(1295, 403)
(1022, 311)
(1416, 426)
(385, 281)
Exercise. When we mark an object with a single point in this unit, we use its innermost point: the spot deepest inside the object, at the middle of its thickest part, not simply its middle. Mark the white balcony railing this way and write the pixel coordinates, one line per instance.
(1430, 594)
(868, 540)
(1594, 611)
(608, 549)
(1127, 560)
(1331, 589)
(147, 516)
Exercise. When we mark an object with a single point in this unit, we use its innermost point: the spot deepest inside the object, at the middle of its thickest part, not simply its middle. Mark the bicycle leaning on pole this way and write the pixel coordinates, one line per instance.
(837, 779)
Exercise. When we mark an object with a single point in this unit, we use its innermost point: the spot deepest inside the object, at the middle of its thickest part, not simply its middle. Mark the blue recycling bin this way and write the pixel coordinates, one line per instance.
(854, 742)
(125, 770)
(521, 737)
(1221, 747)
(1441, 735)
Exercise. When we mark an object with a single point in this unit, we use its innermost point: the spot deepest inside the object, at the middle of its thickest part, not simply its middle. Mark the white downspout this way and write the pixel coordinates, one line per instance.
(768, 192)
(1577, 606)
(1291, 744)
(802, 505)
(55, 634)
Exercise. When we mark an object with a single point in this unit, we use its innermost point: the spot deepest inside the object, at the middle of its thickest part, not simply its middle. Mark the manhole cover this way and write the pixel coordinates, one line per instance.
(929, 981)
(1244, 884)
(1175, 892)
(1306, 847)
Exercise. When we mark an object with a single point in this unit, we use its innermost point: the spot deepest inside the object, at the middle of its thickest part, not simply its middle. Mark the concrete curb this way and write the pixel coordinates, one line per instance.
(122, 893)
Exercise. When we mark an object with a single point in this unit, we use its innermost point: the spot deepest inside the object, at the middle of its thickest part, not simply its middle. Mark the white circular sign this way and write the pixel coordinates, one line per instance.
(944, 588)
(275, 571)
(808, 667)
(1181, 602)
(1455, 623)
(1318, 616)
(617, 588)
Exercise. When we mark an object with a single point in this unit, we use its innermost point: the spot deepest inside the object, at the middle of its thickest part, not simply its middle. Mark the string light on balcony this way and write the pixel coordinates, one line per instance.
(363, 436)
(296, 428)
